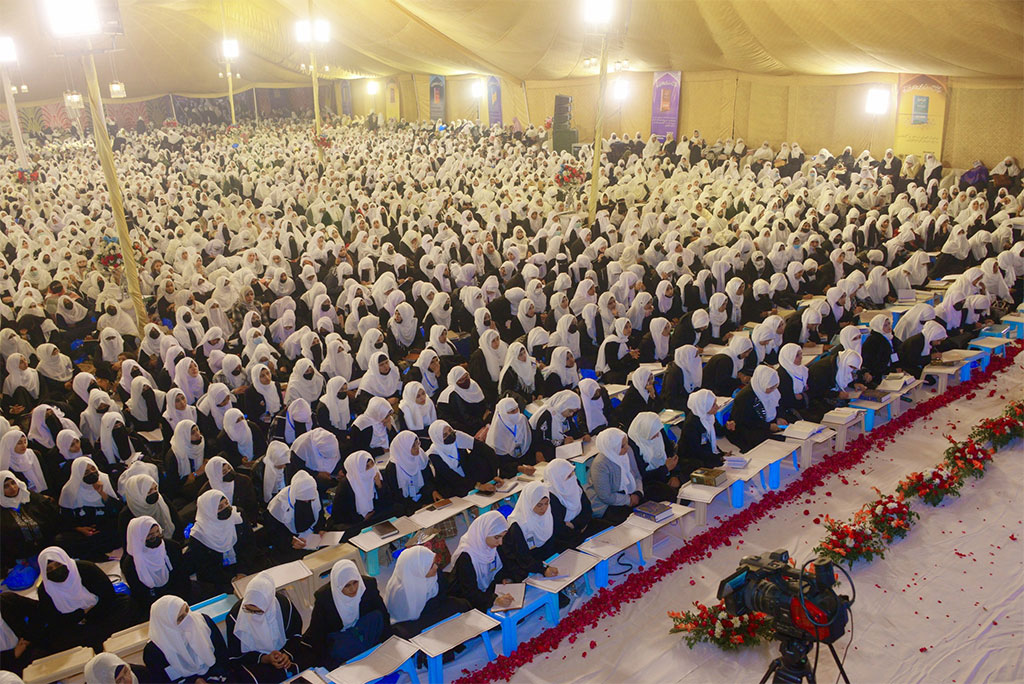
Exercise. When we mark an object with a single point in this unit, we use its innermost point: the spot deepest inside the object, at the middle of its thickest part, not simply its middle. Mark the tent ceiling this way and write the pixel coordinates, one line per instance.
(172, 45)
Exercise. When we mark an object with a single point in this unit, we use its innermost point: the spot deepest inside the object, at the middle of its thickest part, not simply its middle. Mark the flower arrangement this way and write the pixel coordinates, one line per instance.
(715, 625)
(108, 254)
(890, 516)
(568, 176)
(170, 123)
(547, 124)
(931, 486)
(1002, 430)
(26, 176)
(610, 600)
(967, 459)
(849, 542)
(323, 142)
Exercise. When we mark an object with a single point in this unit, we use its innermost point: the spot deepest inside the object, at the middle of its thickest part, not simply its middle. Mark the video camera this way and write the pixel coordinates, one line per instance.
(802, 605)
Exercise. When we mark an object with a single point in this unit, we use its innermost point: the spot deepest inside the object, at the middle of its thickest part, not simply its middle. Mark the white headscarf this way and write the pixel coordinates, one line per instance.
(282, 506)
(379, 385)
(299, 387)
(652, 449)
(210, 404)
(151, 565)
(265, 632)
(702, 404)
(27, 464)
(41, 433)
(449, 453)
(848, 362)
(569, 377)
(52, 364)
(188, 647)
(524, 370)
(764, 378)
(78, 494)
(136, 489)
(495, 358)
(361, 473)
(172, 415)
(193, 387)
(408, 467)
(343, 572)
(593, 409)
(277, 455)
(269, 392)
(609, 443)
(798, 372)
(561, 401)
(472, 394)
(486, 561)
(318, 449)
(536, 529)
(69, 595)
(417, 416)
(509, 429)
(560, 476)
(102, 669)
(409, 588)
(28, 378)
(209, 530)
(21, 497)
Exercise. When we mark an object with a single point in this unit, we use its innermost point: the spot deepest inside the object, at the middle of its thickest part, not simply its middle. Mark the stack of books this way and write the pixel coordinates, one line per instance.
(736, 461)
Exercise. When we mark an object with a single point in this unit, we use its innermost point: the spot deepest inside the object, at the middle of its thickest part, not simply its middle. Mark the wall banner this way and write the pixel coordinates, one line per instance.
(494, 100)
(392, 100)
(346, 98)
(437, 98)
(665, 106)
(920, 114)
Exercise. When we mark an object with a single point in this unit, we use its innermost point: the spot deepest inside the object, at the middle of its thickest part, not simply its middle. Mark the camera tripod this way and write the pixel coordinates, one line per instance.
(792, 666)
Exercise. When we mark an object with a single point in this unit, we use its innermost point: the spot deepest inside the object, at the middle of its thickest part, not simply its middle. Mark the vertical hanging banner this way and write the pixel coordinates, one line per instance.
(494, 100)
(665, 106)
(392, 100)
(920, 114)
(437, 98)
(346, 98)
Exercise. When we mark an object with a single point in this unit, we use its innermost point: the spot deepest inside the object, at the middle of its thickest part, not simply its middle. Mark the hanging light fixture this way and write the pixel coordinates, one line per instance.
(117, 90)
(73, 99)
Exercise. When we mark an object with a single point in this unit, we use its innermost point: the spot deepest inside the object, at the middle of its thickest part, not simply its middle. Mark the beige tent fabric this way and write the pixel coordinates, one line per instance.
(172, 45)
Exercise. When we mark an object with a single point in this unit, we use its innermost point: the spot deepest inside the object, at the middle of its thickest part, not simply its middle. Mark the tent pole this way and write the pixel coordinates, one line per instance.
(106, 154)
(316, 85)
(598, 132)
(12, 119)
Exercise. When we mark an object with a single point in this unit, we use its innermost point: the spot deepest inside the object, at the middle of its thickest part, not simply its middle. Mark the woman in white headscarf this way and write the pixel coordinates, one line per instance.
(76, 601)
(262, 399)
(615, 358)
(54, 368)
(107, 668)
(879, 350)
(21, 385)
(519, 373)
(381, 378)
(47, 422)
(189, 380)
(918, 350)
(221, 542)
(615, 486)
(463, 402)
(89, 500)
(28, 520)
(152, 565)
(349, 616)
(478, 568)
(414, 597)
(487, 361)
(264, 632)
(143, 498)
(212, 407)
(185, 645)
(511, 438)
(305, 382)
(269, 474)
(183, 461)
(333, 412)
(912, 321)
(403, 331)
(373, 428)
(408, 473)
(530, 537)
(831, 380)
(562, 373)
(417, 409)
(361, 499)
(755, 411)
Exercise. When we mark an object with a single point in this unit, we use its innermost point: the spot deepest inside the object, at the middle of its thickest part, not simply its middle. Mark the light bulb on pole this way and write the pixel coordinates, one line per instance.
(9, 55)
(314, 32)
(597, 15)
(229, 51)
(81, 19)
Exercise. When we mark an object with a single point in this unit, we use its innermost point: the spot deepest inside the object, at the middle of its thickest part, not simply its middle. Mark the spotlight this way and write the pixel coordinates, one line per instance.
(229, 48)
(597, 12)
(878, 101)
(372, 87)
(70, 18)
(620, 89)
(478, 88)
(7, 52)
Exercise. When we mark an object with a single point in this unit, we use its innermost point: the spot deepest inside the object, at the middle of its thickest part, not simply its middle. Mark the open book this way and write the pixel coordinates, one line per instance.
(802, 429)
(516, 591)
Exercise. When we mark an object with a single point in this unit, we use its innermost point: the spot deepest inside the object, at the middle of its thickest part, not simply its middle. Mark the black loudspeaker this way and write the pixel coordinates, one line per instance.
(563, 141)
(563, 112)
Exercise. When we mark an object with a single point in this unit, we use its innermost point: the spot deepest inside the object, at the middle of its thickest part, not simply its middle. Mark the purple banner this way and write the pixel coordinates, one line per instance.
(346, 98)
(665, 107)
(494, 101)
(437, 94)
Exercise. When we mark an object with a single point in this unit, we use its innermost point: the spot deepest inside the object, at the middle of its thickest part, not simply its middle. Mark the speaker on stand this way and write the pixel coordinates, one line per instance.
(563, 137)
